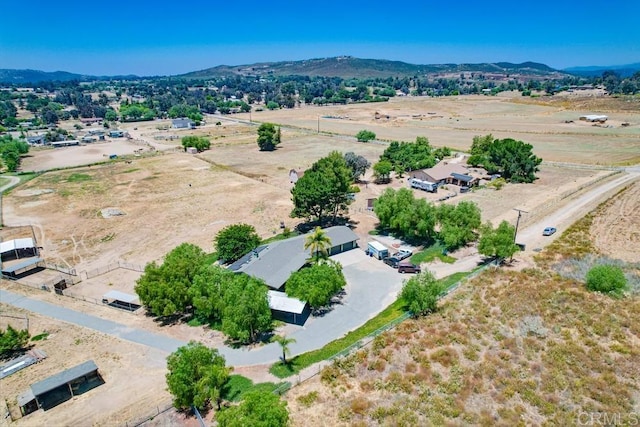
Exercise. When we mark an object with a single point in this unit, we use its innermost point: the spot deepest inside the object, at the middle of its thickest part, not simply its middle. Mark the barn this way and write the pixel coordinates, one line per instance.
(60, 387)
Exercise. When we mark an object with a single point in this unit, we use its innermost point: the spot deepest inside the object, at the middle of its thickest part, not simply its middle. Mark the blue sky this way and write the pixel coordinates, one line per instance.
(158, 38)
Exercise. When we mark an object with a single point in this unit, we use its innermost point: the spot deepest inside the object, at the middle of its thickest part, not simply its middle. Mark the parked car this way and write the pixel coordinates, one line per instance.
(549, 231)
(392, 261)
(402, 254)
(407, 267)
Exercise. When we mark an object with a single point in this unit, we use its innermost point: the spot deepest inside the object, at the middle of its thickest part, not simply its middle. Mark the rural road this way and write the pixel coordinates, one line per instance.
(372, 286)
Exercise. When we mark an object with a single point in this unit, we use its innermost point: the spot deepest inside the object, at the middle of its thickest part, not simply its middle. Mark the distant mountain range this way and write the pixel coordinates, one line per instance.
(596, 70)
(341, 66)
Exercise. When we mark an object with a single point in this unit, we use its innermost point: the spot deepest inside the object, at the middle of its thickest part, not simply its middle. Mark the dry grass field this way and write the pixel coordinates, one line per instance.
(167, 197)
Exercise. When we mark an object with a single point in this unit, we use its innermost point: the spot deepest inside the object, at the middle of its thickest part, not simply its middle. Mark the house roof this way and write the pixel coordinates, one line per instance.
(275, 261)
(63, 377)
(443, 170)
(281, 302)
(11, 245)
(182, 121)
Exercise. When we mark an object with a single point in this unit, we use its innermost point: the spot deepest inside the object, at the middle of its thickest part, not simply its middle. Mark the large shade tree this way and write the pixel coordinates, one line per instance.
(165, 289)
(498, 242)
(458, 223)
(246, 311)
(196, 376)
(316, 284)
(513, 159)
(409, 218)
(323, 190)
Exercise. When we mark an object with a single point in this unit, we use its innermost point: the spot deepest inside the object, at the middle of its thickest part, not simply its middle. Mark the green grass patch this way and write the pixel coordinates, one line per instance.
(40, 337)
(3, 181)
(211, 258)
(131, 170)
(295, 365)
(79, 177)
(429, 254)
(237, 386)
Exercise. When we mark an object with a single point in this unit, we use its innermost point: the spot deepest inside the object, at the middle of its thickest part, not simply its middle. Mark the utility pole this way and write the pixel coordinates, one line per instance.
(318, 123)
(515, 233)
(520, 212)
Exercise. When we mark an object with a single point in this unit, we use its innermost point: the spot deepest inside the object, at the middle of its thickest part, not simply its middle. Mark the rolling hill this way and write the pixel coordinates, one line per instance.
(348, 66)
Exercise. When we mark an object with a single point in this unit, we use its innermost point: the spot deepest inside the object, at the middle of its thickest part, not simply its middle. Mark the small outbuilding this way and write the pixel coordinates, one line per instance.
(288, 309)
(192, 150)
(600, 118)
(121, 300)
(18, 248)
(24, 268)
(60, 387)
(182, 123)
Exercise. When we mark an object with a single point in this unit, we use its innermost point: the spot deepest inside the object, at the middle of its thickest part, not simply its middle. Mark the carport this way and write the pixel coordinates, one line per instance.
(121, 300)
(24, 268)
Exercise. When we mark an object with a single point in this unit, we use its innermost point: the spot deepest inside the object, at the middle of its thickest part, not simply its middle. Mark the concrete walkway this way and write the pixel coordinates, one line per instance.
(13, 181)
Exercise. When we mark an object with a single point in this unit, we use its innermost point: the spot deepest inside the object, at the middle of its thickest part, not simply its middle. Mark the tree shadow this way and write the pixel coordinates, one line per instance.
(336, 300)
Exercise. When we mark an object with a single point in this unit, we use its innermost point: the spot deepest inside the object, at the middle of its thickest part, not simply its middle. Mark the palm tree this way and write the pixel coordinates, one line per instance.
(284, 344)
(318, 242)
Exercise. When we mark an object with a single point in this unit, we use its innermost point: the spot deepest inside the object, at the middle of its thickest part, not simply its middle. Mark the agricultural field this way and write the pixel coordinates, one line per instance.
(137, 208)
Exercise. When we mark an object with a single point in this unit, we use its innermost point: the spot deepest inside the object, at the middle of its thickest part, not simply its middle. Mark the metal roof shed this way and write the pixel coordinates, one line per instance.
(121, 300)
(63, 377)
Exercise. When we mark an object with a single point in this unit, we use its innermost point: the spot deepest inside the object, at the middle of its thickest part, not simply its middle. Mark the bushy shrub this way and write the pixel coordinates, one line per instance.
(607, 279)
(365, 136)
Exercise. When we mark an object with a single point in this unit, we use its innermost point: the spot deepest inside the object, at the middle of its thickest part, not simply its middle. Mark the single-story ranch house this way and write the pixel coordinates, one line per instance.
(275, 261)
(446, 173)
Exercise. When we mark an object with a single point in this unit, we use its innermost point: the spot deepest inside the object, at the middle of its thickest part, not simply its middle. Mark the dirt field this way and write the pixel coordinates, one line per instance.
(171, 197)
(454, 121)
(617, 232)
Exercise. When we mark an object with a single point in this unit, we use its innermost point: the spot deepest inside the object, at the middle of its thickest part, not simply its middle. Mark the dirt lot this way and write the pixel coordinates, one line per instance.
(166, 198)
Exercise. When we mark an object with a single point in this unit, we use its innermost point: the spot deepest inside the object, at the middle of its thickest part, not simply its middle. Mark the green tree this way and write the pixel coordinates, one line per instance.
(316, 284)
(268, 137)
(246, 311)
(514, 160)
(11, 151)
(257, 409)
(196, 376)
(318, 242)
(284, 345)
(481, 144)
(608, 279)
(421, 293)
(323, 189)
(382, 171)
(198, 142)
(408, 156)
(12, 340)
(404, 215)
(235, 240)
(111, 115)
(164, 289)
(206, 292)
(458, 224)
(497, 242)
(365, 136)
